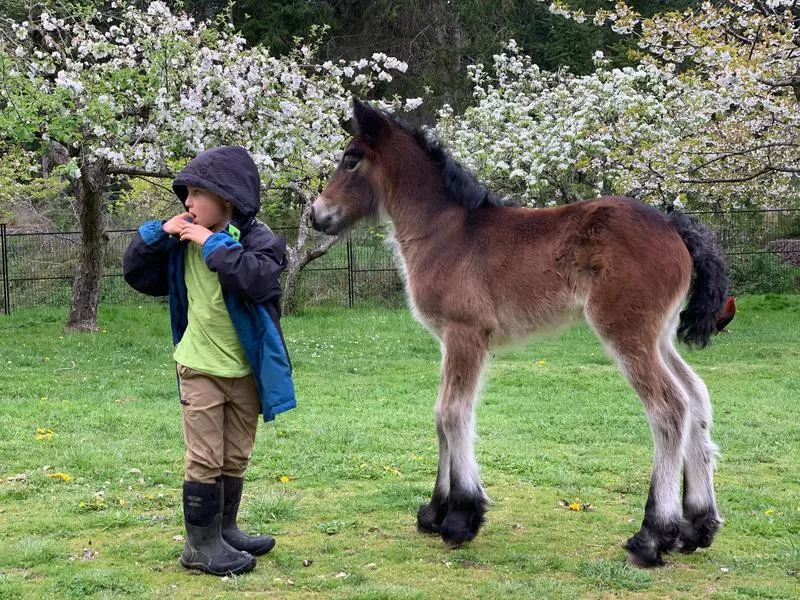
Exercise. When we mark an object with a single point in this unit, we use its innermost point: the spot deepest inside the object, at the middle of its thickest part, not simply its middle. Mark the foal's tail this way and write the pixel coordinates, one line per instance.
(710, 285)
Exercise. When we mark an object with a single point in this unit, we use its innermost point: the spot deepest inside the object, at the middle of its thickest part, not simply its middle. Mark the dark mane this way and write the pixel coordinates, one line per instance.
(460, 184)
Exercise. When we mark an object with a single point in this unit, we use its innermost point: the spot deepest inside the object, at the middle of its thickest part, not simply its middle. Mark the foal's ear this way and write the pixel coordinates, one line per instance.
(370, 124)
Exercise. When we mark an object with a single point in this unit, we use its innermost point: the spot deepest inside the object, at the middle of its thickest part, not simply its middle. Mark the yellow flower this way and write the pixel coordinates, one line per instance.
(283, 479)
(61, 476)
(44, 434)
(769, 512)
(121, 503)
(540, 362)
(576, 505)
(393, 470)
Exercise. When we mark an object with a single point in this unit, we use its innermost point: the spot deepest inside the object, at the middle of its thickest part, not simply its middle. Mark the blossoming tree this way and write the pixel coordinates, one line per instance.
(549, 138)
(125, 92)
(710, 115)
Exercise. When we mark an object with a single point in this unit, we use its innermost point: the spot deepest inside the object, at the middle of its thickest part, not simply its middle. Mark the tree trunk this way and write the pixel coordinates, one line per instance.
(288, 305)
(88, 190)
(297, 257)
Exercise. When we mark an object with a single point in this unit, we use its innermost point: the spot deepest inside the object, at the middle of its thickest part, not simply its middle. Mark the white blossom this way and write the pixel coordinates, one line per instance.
(655, 131)
(64, 80)
(412, 104)
(154, 91)
(48, 23)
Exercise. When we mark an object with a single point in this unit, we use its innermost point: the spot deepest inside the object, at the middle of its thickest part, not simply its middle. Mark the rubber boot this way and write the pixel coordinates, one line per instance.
(253, 544)
(205, 549)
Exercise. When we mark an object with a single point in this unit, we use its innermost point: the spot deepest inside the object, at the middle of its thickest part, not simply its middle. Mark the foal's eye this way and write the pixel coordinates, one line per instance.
(350, 161)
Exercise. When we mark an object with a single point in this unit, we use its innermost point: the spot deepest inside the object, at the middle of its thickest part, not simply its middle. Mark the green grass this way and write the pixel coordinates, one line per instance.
(360, 456)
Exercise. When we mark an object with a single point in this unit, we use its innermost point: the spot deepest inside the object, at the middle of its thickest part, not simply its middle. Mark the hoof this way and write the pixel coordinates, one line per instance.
(464, 519)
(642, 553)
(430, 517)
(699, 530)
(646, 547)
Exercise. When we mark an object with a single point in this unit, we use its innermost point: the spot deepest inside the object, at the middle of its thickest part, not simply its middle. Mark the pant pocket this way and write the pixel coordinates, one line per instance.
(181, 374)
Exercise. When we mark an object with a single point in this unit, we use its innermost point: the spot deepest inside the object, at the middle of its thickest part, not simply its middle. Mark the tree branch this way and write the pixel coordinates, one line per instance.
(320, 250)
(743, 178)
(722, 156)
(151, 182)
(791, 82)
(139, 172)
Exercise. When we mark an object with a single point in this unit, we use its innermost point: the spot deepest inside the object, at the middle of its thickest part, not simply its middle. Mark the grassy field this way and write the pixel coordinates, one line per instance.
(91, 465)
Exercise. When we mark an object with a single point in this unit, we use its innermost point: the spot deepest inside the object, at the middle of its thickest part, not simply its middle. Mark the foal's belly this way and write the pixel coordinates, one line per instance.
(515, 328)
(507, 324)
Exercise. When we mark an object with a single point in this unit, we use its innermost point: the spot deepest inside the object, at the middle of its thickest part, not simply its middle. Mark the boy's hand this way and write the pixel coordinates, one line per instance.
(176, 224)
(195, 233)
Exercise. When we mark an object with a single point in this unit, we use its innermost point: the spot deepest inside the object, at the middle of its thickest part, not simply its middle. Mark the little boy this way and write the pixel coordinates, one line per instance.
(220, 267)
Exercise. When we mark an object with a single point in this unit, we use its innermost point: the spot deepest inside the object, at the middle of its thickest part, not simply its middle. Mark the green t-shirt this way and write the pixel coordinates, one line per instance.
(210, 343)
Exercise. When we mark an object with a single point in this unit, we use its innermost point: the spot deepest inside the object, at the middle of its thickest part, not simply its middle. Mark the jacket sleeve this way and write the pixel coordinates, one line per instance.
(250, 271)
(145, 262)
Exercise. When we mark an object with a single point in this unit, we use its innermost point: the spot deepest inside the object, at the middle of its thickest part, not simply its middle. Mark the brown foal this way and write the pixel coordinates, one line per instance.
(479, 273)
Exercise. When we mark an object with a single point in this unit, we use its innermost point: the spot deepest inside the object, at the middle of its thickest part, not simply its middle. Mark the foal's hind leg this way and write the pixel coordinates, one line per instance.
(699, 504)
(637, 352)
(461, 504)
(667, 410)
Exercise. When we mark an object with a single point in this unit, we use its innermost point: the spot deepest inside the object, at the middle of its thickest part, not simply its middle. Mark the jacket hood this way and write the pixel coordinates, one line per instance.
(229, 172)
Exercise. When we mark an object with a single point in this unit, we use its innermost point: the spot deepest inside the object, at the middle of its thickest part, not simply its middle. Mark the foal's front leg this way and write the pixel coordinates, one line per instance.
(458, 503)
(431, 515)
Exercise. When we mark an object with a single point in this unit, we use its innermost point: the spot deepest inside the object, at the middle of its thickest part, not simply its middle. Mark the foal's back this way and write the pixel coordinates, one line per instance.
(537, 268)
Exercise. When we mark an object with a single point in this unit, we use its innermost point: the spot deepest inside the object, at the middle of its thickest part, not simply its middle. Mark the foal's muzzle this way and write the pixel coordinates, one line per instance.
(323, 219)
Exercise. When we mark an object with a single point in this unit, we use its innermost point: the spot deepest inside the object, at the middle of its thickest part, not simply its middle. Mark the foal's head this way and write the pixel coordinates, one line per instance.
(385, 159)
(359, 185)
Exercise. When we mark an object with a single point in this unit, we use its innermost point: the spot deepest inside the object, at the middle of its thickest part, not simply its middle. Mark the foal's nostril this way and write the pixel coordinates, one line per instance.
(319, 223)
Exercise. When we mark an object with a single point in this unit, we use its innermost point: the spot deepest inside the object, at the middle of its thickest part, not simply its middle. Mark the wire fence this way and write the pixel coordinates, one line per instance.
(37, 269)
(762, 248)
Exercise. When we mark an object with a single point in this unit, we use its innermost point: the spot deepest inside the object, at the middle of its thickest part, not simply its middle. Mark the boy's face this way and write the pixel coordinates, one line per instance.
(208, 209)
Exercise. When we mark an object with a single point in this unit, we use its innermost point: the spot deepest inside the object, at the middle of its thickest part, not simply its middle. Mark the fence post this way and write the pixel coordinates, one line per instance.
(4, 254)
(350, 292)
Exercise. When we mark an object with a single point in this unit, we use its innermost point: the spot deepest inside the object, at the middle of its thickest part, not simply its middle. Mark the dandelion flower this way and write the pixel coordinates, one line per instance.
(44, 434)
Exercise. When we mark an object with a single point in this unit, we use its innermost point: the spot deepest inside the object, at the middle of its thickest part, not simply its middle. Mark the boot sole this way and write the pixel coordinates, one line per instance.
(206, 569)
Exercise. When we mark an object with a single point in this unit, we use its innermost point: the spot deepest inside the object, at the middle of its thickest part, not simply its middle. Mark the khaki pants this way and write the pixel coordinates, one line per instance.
(220, 416)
